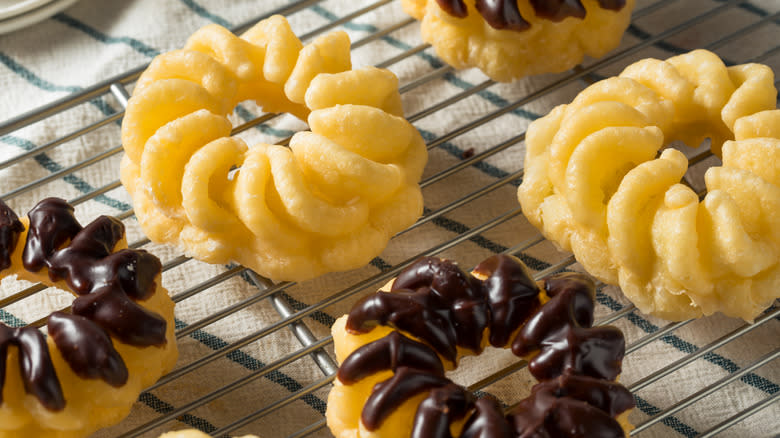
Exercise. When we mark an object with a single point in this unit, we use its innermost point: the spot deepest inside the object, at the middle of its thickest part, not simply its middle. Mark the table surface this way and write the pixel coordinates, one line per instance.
(471, 210)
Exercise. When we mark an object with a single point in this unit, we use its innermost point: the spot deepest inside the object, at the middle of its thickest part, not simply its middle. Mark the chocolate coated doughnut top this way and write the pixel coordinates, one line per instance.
(35, 365)
(10, 229)
(108, 285)
(448, 308)
(505, 14)
(436, 302)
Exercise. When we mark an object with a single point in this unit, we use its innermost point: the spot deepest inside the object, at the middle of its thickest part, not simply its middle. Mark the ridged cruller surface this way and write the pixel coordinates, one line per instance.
(594, 186)
(242, 368)
(328, 202)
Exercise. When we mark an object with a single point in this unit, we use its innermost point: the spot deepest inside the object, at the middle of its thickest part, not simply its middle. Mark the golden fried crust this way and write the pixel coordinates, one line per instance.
(505, 55)
(596, 185)
(90, 403)
(329, 202)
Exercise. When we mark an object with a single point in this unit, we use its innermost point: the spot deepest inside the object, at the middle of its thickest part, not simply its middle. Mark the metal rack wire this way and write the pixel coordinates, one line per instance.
(296, 316)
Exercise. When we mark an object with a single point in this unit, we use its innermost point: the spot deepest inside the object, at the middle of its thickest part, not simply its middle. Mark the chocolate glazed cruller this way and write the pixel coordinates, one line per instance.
(509, 39)
(505, 14)
(329, 202)
(394, 348)
(117, 340)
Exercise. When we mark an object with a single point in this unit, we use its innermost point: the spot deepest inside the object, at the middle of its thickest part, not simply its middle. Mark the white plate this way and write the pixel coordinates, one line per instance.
(12, 8)
(33, 16)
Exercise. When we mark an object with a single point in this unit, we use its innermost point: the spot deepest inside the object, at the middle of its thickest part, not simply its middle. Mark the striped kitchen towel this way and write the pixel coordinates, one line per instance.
(238, 375)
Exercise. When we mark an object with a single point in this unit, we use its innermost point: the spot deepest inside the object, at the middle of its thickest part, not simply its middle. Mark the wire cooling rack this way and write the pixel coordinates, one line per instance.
(301, 405)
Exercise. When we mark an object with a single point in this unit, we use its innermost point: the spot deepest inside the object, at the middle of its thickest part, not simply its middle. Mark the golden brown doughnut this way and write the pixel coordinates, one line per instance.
(329, 202)
(596, 185)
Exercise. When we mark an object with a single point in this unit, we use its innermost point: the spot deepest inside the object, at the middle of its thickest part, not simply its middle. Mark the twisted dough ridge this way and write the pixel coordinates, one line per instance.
(596, 186)
(329, 202)
(546, 46)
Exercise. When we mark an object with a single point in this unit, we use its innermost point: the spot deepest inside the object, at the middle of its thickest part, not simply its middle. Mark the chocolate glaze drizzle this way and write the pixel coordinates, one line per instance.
(436, 302)
(35, 364)
(388, 395)
(10, 229)
(562, 333)
(487, 421)
(443, 406)
(87, 349)
(448, 308)
(505, 14)
(511, 293)
(389, 353)
(572, 406)
(107, 284)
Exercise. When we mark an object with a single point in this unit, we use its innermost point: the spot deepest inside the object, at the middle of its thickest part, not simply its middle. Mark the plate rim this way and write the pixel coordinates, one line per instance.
(21, 7)
(34, 16)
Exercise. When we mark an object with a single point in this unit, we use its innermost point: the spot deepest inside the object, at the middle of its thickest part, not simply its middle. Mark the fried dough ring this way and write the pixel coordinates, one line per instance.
(329, 202)
(595, 185)
(507, 45)
(394, 347)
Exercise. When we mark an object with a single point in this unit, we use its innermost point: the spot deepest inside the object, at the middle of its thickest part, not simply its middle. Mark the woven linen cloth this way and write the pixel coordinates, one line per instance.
(95, 40)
